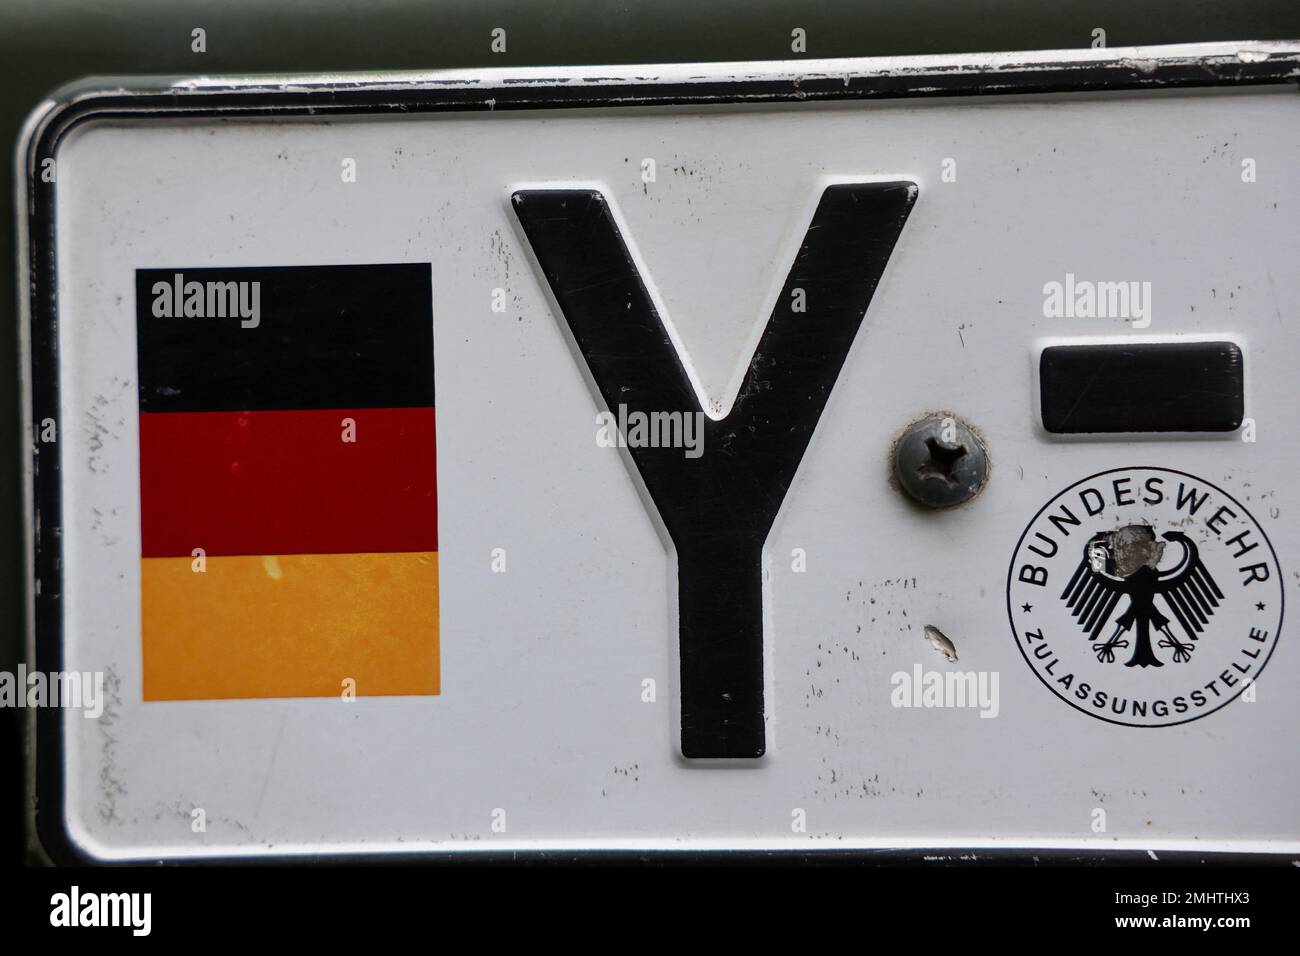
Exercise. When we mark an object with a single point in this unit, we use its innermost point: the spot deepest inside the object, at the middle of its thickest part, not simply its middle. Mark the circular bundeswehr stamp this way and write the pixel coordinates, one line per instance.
(1145, 596)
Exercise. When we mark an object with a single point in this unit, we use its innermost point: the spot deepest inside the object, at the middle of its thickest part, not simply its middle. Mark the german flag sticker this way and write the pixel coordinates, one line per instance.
(289, 519)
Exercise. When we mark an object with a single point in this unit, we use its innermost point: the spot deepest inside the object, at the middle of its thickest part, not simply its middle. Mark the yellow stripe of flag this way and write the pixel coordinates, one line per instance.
(294, 625)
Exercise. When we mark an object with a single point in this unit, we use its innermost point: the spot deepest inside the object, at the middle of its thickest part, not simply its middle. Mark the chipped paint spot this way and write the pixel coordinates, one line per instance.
(941, 643)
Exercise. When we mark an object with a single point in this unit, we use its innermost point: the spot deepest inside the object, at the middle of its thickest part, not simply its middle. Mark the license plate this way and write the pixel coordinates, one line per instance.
(804, 457)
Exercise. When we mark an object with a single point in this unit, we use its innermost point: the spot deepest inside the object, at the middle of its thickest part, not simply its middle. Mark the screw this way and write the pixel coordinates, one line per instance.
(939, 462)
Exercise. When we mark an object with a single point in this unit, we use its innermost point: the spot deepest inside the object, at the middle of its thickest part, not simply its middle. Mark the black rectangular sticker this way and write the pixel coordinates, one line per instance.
(1142, 387)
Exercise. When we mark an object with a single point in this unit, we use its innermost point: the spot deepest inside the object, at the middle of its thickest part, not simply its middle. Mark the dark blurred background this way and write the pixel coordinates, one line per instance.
(46, 43)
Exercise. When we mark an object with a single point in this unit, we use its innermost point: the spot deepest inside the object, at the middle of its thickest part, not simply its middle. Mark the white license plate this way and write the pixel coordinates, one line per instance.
(849, 455)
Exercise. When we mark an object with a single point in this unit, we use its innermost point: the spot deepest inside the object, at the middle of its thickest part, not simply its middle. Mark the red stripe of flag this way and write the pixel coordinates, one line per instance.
(285, 482)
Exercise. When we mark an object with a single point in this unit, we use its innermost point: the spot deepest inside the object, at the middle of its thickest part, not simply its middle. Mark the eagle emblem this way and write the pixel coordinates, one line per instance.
(1125, 563)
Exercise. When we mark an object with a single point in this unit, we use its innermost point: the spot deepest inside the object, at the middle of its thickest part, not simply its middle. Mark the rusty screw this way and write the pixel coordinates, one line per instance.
(939, 462)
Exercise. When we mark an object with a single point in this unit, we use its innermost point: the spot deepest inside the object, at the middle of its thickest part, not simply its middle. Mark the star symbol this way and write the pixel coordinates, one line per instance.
(1259, 606)
(1026, 607)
